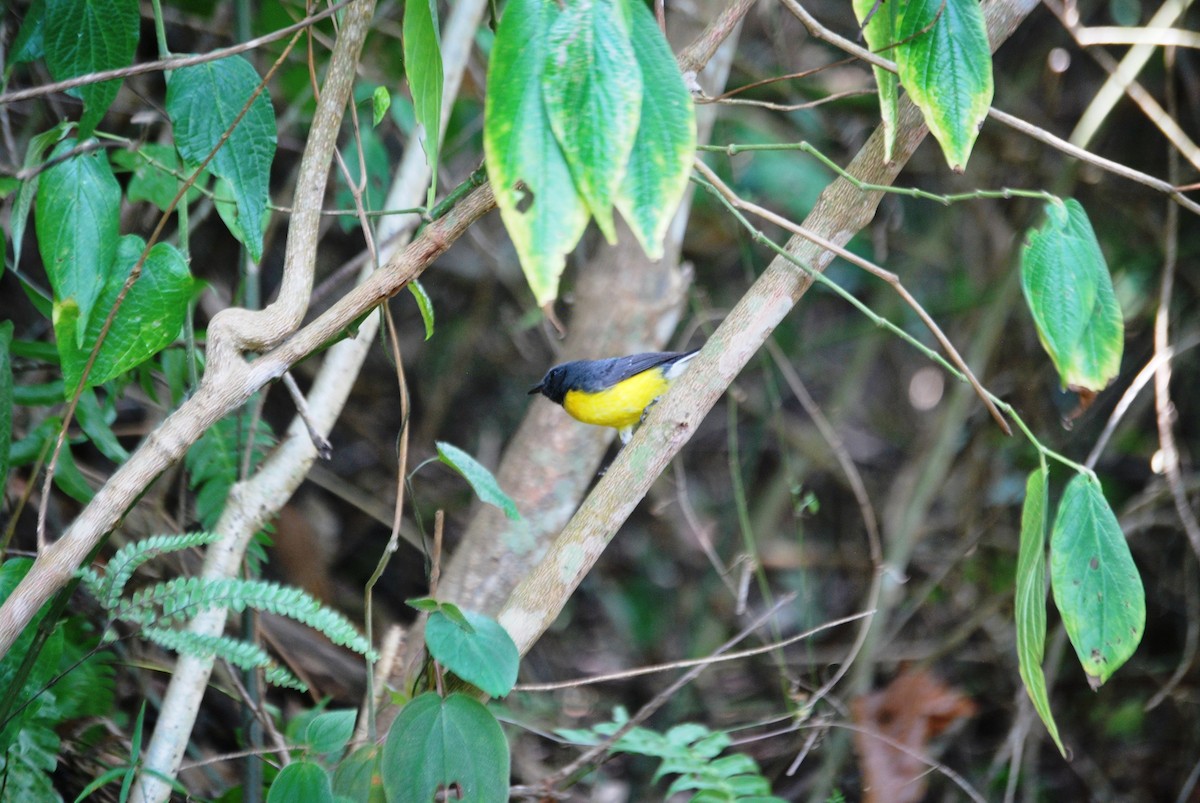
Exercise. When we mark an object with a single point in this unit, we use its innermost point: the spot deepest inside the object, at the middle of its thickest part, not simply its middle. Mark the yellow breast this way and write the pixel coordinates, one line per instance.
(621, 405)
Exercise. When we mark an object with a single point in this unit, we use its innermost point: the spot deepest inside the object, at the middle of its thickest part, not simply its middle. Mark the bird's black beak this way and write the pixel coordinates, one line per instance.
(535, 389)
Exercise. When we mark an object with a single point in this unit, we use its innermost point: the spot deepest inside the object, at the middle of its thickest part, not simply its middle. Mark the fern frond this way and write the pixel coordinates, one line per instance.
(130, 557)
(92, 581)
(182, 597)
(242, 654)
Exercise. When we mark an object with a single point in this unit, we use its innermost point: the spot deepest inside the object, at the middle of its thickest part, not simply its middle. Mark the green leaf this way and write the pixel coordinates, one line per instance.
(6, 397)
(1070, 294)
(542, 211)
(149, 319)
(456, 615)
(301, 780)
(1096, 585)
(29, 42)
(656, 176)
(945, 63)
(880, 33)
(592, 89)
(423, 604)
(329, 731)
(352, 778)
(96, 423)
(381, 101)
(423, 65)
(69, 479)
(78, 209)
(424, 304)
(481, 480)
(484, 656)
(1031, 601)
(436, 743)
(156, 170)
(84, 36)
(202, 102)
(30, 697)
(33, 157)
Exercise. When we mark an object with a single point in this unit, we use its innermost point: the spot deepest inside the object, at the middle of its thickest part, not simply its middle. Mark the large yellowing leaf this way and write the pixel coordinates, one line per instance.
(592, 89)
(657, 174)
(542, 211)
(945, 65)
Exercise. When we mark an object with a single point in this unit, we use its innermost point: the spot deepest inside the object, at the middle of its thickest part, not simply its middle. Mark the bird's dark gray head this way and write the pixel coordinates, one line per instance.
(553, 385)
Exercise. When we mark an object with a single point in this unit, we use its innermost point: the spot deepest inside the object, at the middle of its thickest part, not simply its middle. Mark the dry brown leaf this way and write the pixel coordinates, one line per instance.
(914, 708)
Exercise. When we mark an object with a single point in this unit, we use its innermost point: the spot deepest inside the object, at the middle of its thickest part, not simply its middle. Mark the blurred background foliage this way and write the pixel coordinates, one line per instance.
(757, 480)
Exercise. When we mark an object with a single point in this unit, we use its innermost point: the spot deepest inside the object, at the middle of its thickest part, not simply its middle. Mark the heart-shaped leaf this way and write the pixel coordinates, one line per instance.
(482, 654)
(452, 746)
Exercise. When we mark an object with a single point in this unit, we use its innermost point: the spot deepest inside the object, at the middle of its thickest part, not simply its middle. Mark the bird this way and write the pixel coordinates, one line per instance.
(614, 392)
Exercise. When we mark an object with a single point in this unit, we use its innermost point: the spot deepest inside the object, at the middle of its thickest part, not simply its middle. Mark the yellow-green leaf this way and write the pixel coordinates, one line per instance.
(945, 65)
(542, 211)
(592, 88)
(656, 176)
(880, 34)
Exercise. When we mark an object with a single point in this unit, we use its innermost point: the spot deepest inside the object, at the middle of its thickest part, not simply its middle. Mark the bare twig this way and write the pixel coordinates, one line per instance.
(593, 754)
(1122, 78)
(1164, 408)
(1016, 123)
(322, 444)
(172, 63)
(870, 267)
(715, 658)
(693, 57)
(1116, 168)
(865, 509)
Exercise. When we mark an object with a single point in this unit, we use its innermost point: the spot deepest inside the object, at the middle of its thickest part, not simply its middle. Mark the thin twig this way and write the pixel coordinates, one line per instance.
(702, 537)
(397, 510)
(169, 64)
(791, 107)
(595, 753)
(1122, 78)
(886, 275)
(435, 559)
(715, 658)
(960, 781)
(1116, 168)
(1029, 129)
(281, 747)
(1163, 406)
(322, 444)
(1127, 398)
(865, 508)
